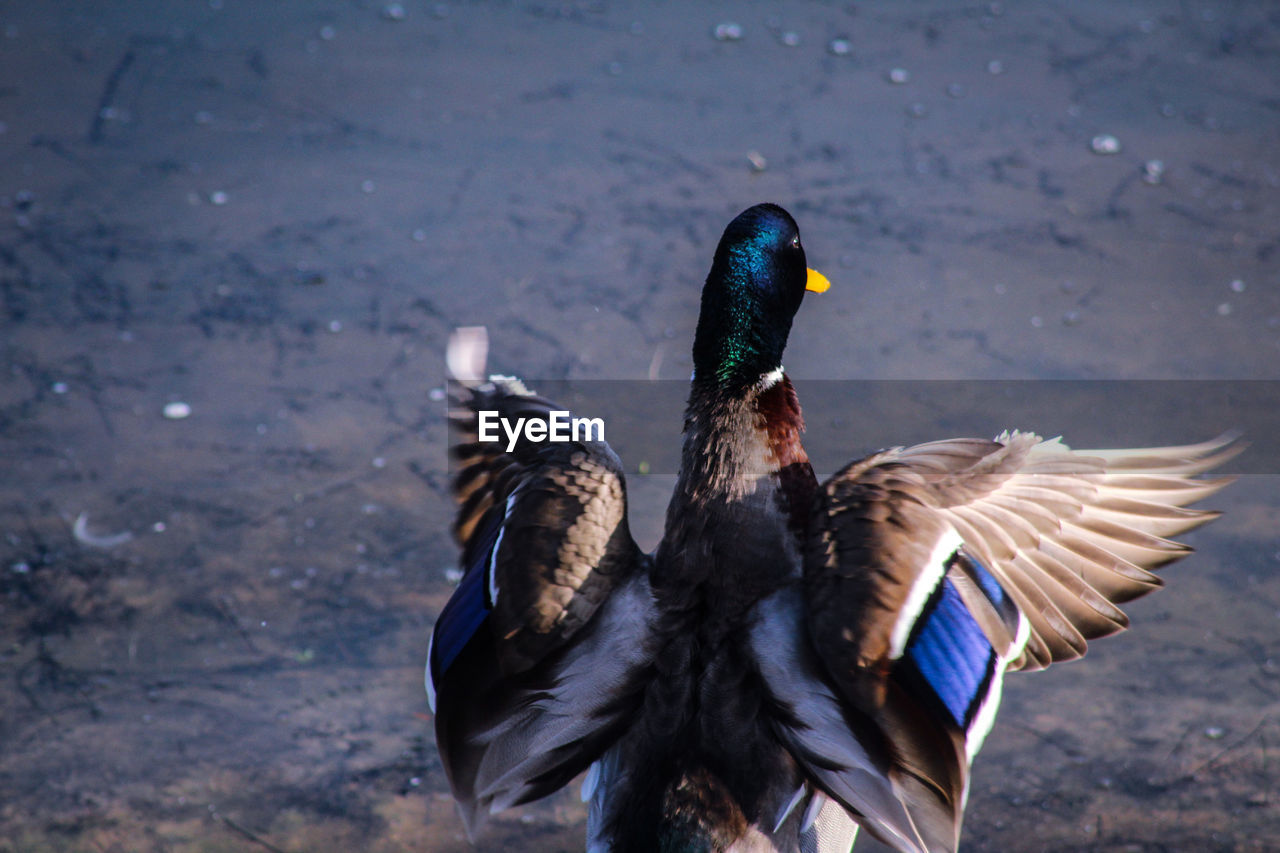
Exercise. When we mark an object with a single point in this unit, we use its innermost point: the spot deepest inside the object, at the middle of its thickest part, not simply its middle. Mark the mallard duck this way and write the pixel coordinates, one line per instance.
(796, 660)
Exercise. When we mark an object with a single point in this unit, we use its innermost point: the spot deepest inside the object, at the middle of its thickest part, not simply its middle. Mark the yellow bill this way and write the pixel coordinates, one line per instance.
(817, 282)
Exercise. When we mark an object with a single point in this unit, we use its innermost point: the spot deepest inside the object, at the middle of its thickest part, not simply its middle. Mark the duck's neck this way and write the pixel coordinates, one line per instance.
(745, 487)
(738, 439)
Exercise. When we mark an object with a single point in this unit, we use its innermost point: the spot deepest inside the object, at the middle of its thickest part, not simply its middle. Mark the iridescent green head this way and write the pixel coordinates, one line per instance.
(756, 284)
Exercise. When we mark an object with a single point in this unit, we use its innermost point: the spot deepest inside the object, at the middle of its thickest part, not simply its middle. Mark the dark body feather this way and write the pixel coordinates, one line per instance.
(712, 761)
(796, 659)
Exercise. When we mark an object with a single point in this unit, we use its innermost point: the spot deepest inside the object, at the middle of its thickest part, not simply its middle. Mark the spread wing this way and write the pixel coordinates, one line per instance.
(932, 570)
(537, 660)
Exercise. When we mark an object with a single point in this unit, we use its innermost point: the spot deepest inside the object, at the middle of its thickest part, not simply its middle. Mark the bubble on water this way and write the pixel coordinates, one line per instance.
(790, 38)
(1037, 321)
(367, 186)
(59, 388)
(177, 410)
(917, 110)
(995, 66)
(1153, 172)
(839, 47)
(335, 326)
(1214, 732)
(727, 31)
(955, 90)
(1105, 143)
(1071, 318)
(436, 395)
(203, 117)
(899, 76)
(757, 161)
(453, 575)
(393, 12)
(328, 33)
(218, 198)
(1237, 285)
(1224, 309)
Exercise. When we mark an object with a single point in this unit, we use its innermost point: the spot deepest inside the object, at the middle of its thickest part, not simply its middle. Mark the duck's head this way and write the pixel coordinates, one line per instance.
(756, 284)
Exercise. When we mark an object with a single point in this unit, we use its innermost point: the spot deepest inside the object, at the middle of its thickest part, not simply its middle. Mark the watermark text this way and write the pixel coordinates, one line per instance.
(558, 426)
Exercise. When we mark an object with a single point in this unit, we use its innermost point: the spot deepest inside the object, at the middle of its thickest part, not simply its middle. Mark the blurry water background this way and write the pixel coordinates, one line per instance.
(233, 238)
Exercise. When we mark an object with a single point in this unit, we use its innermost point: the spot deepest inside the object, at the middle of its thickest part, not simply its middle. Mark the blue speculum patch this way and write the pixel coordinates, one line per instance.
(465, 611)
(948, 650)
(987, 581)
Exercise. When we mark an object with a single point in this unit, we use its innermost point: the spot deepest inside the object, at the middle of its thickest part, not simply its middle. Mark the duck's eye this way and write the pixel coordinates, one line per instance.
(795, 242)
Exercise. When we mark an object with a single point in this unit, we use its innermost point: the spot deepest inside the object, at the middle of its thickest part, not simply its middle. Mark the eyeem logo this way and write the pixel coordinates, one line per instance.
(559, 426)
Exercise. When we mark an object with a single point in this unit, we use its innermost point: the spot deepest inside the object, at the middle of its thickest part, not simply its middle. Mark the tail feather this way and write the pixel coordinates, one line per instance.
(467, 353)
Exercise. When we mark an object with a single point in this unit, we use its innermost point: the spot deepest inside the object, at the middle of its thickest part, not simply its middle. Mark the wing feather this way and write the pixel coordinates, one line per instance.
(1143, 515)
(538, 659)
(917, 633)
(1168, 490)
(1128, 543)
(1115, 578)
(565, 543)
